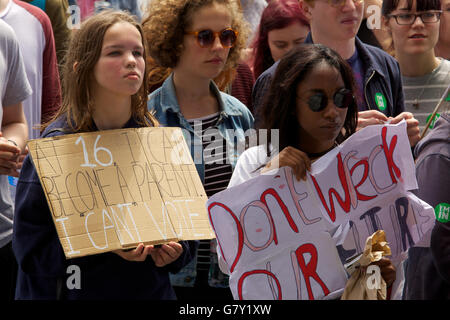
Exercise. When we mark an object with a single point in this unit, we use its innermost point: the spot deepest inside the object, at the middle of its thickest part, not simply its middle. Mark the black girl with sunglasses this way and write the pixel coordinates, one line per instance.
(312, 106)
(197, 39)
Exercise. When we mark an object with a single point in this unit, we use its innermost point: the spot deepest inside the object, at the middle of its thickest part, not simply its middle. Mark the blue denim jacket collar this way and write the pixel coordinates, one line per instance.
(169, 100)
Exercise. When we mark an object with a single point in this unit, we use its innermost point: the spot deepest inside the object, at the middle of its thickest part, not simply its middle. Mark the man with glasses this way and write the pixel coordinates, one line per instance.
(335, 23)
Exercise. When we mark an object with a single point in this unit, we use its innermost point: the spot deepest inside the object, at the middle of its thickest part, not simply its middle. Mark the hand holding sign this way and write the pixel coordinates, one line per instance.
(291, 157)
(412, 126)
(137, 254)
(166, 254)
(370, 117)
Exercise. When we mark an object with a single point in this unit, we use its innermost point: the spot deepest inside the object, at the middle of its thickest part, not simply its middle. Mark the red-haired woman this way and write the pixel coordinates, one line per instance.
(282, 26)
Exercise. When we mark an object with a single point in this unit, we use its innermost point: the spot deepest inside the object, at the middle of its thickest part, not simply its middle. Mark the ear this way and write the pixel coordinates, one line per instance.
(305, 7)
(74, 67)
(385, 24)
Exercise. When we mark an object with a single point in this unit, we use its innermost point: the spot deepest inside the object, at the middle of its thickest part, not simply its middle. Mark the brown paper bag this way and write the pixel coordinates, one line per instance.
(363, 285)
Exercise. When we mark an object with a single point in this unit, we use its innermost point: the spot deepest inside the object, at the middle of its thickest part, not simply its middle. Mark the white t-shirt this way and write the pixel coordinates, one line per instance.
(32, 43)
(250, 164)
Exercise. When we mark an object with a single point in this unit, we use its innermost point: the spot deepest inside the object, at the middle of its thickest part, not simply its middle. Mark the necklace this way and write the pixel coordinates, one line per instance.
(416, 104)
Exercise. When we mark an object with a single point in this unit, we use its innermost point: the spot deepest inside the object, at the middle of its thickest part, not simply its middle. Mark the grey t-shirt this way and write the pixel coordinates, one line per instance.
(427, 90)
(14, 88)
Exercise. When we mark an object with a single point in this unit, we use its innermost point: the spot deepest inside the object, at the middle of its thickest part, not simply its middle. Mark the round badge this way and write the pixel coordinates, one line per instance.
(442, 212)
(380, 100)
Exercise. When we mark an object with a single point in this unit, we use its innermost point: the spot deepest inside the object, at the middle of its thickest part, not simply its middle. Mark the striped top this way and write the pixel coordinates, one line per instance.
(427, 90)
(218, 170)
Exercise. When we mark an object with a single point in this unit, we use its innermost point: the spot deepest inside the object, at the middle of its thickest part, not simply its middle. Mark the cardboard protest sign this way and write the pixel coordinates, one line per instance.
(113, 189)
(286, 239)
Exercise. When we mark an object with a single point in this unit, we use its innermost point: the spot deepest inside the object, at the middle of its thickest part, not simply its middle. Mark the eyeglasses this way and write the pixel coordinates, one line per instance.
(410, 18)
(341, 3)
(342, 98)
(206, 38)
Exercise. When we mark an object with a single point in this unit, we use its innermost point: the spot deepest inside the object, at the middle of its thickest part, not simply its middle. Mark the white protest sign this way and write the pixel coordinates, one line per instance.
(285, 239)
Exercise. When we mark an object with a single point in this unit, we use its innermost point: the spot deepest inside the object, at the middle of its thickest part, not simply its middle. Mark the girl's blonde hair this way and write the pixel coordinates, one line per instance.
(84, 51)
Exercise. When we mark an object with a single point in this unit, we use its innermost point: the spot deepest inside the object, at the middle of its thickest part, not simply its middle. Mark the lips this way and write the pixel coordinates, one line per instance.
(331, 126)
(349, 20)
(418, 36)
(215, 60)
(132, 75)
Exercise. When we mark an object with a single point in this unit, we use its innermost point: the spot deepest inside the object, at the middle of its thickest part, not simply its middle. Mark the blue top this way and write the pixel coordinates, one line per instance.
(234, 122)
(43, 268)
(381, 74)
(235, 125)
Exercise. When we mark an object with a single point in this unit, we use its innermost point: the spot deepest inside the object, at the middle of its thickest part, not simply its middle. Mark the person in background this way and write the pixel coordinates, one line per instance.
(414, 27)
(57, 11)
(104, 87)
(35, 35)
(14, 88)
(34, 32)
(428, 268)
(201, 38)
(379, 92)
(282, 26)
(442, 48)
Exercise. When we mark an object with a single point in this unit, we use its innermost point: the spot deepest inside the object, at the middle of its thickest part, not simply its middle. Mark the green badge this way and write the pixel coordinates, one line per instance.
(380, 100)
(442, 212)
(433, 122)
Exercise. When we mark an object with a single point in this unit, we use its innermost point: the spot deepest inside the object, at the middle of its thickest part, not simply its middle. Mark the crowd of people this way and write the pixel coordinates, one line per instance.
(312, 69)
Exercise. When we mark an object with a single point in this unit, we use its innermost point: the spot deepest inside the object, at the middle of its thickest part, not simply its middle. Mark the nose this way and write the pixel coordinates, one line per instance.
(331, 111)
(130, 59)
(418, 21)
(288, 48)
(349, 4)
(217, 45)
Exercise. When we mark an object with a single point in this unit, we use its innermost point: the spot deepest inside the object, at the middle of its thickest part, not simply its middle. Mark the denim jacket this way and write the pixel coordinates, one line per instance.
(234, 121)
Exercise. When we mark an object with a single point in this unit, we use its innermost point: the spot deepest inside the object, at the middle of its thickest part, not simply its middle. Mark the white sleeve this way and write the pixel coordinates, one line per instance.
(248, 165)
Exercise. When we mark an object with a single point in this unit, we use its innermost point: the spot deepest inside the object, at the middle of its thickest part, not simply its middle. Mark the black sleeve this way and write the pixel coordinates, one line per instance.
(35, 241)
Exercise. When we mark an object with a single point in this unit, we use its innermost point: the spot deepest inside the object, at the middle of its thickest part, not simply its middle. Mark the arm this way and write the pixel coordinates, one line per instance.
(51, 88)
(13, 138)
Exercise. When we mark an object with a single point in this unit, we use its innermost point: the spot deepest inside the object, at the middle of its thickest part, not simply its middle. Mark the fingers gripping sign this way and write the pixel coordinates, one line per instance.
(140, 253)
(166, 254)
(370, 117)
(291, 157)
(412, 126)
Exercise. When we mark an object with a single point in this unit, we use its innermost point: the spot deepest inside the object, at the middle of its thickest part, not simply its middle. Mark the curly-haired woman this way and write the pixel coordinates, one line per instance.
(198, 39)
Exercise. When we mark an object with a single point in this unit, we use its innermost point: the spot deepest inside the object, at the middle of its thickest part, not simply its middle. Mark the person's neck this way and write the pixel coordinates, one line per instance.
(314, 149)
(345, 48)
(111, 112)
(194, 95)
(442, 50)
(417, 65)
(3, 4)
(189, 88)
